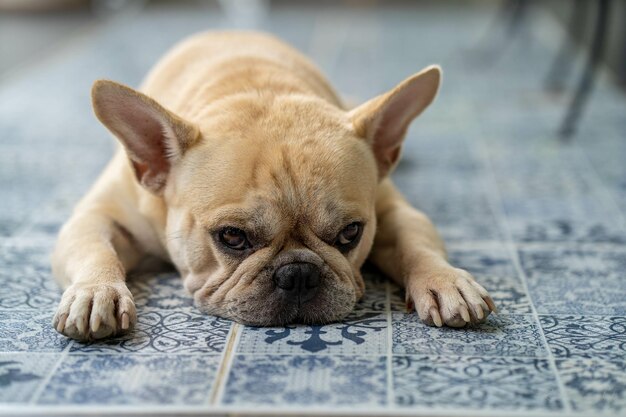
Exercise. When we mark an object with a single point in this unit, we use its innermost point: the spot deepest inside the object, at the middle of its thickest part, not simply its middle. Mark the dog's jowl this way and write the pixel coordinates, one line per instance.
(239, 164)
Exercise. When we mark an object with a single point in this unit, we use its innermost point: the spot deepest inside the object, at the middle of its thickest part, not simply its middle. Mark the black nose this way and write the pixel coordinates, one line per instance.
(298, 281)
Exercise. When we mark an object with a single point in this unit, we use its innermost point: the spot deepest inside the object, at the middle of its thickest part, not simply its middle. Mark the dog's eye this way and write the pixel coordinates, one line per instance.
(349, 237)
(234, 238)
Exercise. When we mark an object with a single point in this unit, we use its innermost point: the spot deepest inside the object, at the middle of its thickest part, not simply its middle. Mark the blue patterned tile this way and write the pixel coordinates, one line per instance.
(286, 380)
(548, 195)
(56, 209)
(457, 205)
(19, 254)
(475, 383)
(132, 379)
(159, 291)
(594, 385)
(576, 281)
(500, 335)
(29, 331)
(29, 290)
(21, 375)
(562, 229)
(360, 333)
(27, 282)
(585, 336)
(607, 158)
(488, 259)
(20, 194)
(170, 331)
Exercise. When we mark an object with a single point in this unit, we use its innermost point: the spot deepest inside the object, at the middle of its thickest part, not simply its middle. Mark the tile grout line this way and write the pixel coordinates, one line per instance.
(225, 364)
(389, 359)
(495, 201)
(268, 410)
(208, 354)
(37, 394)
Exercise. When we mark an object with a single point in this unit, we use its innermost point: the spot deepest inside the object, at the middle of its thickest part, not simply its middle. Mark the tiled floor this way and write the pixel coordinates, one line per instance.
(539, 223)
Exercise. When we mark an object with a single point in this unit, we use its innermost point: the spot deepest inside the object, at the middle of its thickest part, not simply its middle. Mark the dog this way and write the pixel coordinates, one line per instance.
(240, 165)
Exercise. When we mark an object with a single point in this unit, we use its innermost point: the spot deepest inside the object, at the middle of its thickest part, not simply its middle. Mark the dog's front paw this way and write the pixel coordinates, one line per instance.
(95, 311)
(449, 296)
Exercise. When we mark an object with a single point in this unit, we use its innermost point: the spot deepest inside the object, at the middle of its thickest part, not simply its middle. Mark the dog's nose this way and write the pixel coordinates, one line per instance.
(298, 281)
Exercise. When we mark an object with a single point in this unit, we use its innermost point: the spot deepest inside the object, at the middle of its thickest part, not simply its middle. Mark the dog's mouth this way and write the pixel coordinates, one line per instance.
(297, 291)
(325, 304)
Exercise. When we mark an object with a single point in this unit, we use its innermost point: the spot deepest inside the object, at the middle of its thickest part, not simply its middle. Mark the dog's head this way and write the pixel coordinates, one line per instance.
(270, 199)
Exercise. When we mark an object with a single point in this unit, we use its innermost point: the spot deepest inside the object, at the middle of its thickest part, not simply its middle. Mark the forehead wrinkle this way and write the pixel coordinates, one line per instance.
(254, 172)
(301, 181)
(242, 215)
(230, 216)
(281, 184)
(335, 216)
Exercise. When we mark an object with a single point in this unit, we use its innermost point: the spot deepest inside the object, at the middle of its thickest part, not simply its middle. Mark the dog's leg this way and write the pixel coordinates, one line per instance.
(408, 249)
(90, 261)
(95, 250)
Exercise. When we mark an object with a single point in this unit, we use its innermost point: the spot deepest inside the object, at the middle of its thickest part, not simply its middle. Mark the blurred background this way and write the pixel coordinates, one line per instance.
(516, 73)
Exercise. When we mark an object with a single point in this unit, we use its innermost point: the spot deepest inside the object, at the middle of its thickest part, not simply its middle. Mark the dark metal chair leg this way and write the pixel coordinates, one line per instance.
(568, 127)
(517, 16)
(506, 23)
(622, 67)
(561, 67)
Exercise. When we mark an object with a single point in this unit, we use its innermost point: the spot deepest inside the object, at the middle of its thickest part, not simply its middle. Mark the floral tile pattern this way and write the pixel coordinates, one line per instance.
(585, 337)
(25, 275)
(29, 290)
(451, 205)
(167, 331)
(594, 385)
(567, 280)
(132, 379)
(331, 380)
(475, 382)
(489, 260)
(538, 223)
(550, 198)
(500, 335)
(29, 331)
(360, 333)
(159, 291)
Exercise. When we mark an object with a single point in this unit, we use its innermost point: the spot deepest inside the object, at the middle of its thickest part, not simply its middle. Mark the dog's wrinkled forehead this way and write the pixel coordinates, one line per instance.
(273, 170)
(278, 190)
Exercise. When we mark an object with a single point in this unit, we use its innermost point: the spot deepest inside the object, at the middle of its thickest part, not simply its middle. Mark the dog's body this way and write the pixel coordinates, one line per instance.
(260, 188)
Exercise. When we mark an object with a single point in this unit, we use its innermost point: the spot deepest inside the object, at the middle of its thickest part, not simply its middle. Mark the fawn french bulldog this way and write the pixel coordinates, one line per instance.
(241, 167)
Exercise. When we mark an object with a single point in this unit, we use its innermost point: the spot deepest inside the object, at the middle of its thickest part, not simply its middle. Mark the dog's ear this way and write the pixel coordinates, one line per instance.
(154, 137)
(384, 120)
